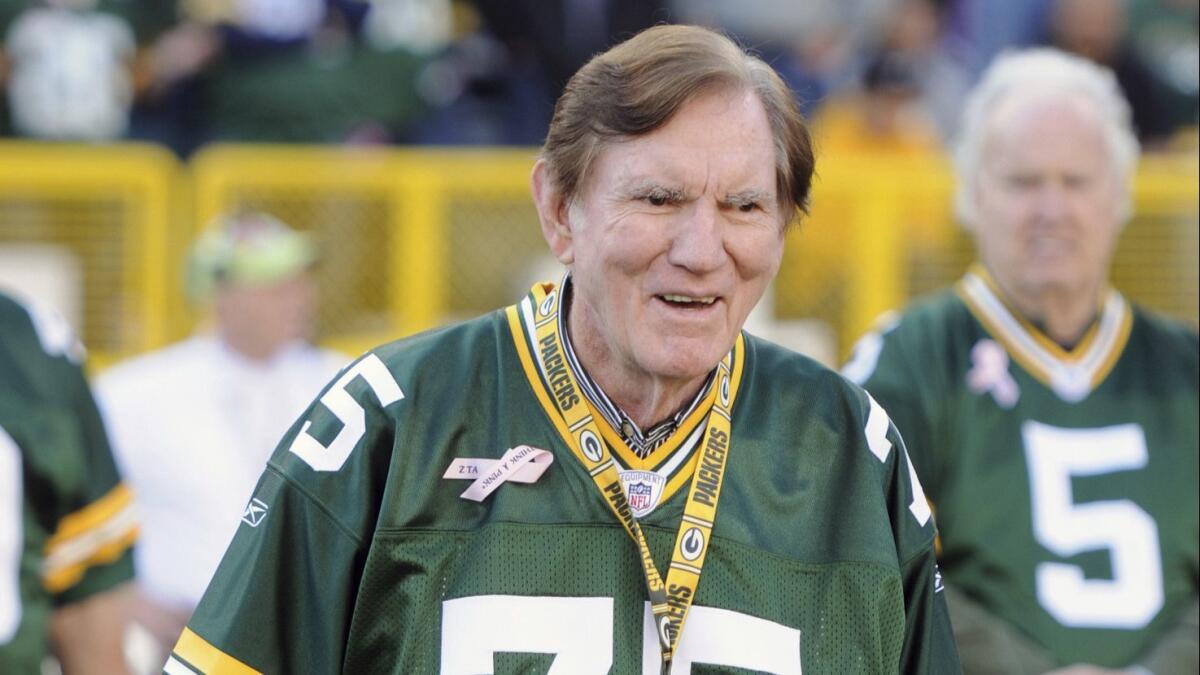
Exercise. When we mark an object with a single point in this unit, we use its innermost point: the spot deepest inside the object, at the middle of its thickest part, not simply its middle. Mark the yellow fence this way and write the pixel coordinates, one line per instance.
(411, 239)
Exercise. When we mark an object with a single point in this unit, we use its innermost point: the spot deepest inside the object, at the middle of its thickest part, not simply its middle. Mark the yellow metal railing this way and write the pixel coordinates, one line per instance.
(111, 208)
(411, 239)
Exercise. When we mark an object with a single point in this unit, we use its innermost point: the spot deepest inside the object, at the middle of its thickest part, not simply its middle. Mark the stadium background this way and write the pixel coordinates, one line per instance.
(414, 233)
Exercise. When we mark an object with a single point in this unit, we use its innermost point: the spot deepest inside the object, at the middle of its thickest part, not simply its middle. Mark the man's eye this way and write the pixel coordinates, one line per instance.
(657, 199)
(747, 207)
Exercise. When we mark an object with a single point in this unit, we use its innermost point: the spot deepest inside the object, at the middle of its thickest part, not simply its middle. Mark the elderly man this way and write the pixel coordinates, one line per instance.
(66, 520)
(1053, 423)
(599, 423)
(194, 423)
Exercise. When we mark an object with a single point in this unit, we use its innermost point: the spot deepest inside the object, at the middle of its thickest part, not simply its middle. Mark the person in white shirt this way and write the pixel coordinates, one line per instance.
(193, 424)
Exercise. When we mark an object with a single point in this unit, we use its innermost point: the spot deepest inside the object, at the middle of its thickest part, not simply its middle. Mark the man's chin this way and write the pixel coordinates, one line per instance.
(679, 360)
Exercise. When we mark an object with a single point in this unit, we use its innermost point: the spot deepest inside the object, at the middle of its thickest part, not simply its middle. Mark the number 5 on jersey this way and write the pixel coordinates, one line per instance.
(349, 411)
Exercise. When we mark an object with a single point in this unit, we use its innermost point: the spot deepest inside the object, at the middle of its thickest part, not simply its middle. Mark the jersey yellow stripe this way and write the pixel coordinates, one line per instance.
(1096, 355)
(91, 517)
(207, 658)
(682, 433)
(628, 457)
(685, 472)
(1055, 350)
(97, 534)
(60, 579)
(1115, 352)
(532, 375)
(997, 331)
(681, 477)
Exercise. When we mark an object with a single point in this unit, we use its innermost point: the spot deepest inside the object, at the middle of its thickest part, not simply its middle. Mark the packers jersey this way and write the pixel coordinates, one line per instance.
(1064, 482)
(360, 552)
(65, 519)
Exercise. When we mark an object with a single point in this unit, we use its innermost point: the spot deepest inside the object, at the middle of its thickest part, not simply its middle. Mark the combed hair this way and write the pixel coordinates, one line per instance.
(1038, 74)
(638, 85)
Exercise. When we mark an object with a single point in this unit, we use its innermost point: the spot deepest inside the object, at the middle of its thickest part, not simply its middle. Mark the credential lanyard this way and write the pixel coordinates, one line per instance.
(669, 603)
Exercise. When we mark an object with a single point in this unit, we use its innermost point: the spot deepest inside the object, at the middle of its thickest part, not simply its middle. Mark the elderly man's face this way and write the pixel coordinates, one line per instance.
(675, 236)
(1048, 198)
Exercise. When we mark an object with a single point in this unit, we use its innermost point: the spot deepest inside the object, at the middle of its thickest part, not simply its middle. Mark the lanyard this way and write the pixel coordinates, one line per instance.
(669, 602)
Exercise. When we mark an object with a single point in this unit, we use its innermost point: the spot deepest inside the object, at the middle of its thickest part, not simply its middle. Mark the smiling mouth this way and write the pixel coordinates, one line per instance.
(688, 301)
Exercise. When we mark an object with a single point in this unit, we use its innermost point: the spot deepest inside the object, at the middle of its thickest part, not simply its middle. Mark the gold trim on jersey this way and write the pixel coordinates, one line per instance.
(674, 460)
(97, 534)
(1071, 374)
(657, 457)
(202, 656)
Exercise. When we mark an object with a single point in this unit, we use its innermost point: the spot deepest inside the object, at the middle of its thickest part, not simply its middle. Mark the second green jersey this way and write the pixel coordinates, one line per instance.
(1064, 482)
(66, 520)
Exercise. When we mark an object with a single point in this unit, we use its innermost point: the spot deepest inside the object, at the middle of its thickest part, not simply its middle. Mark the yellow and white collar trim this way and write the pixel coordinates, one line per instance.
(674, 461)
(1072, 375)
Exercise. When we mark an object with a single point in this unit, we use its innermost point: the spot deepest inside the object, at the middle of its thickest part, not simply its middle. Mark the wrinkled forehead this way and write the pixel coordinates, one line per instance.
(722, 138)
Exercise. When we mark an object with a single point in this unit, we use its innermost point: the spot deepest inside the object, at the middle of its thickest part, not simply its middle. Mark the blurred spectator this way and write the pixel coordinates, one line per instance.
(300, 71)
(1097, 29)
(978, 30)
(915, 35)
(193, 424)
(1167, 34)
(66, 520)
(497, 84)
(817, 47)
(70, 71)
(317, 71)
(885, 116)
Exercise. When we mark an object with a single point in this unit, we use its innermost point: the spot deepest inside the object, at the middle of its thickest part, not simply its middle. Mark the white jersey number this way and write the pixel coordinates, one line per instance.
(876, 430)
(579, 632)
(10, 537)
(349, 412)
(1134, 595)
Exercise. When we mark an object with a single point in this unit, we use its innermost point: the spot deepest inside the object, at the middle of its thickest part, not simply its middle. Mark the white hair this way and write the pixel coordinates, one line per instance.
(1043, 73)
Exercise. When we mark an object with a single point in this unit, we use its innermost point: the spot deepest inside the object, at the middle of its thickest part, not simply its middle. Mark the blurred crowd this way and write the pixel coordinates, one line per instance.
(872, 74)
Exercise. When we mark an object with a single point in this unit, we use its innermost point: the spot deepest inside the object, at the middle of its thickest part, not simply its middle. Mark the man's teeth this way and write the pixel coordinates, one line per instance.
(706, 300)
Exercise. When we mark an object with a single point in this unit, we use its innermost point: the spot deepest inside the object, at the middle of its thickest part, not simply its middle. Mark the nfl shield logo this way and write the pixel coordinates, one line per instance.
(640, 496)
(644, 489)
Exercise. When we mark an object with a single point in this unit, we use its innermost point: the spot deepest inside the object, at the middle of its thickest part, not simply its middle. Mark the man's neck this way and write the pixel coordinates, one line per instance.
(1064, 316)
(645, 398)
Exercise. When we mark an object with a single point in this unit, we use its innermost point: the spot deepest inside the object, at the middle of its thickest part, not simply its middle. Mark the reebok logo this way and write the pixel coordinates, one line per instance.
(255, 511)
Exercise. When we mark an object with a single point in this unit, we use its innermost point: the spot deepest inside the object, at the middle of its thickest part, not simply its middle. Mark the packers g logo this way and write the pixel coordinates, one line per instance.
(664, 628)
(724, 391)
(547, 304)
(692, 544)
(591, 445)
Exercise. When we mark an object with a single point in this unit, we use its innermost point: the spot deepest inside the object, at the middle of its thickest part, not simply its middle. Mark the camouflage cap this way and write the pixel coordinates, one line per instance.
(247, 248)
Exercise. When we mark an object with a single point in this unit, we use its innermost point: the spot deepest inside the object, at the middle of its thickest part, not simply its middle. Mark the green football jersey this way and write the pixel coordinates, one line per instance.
(1064, 482)
(357, 553)
(66, 522)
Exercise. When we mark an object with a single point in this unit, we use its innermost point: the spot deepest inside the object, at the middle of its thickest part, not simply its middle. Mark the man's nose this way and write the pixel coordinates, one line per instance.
(697, 240)
(1052, 203)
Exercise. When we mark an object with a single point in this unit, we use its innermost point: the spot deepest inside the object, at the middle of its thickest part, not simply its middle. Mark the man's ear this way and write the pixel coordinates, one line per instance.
(553, 213)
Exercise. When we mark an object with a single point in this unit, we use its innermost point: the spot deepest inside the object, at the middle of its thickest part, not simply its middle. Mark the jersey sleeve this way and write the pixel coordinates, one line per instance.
(283, 596)
(91, 510)
(929, 645)
(889, 362)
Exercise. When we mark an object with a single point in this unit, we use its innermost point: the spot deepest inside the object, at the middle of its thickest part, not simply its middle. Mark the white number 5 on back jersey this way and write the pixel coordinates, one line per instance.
(1134, 594)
